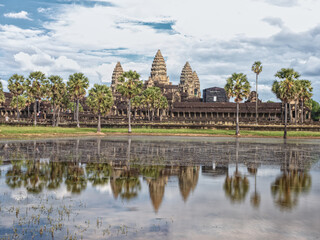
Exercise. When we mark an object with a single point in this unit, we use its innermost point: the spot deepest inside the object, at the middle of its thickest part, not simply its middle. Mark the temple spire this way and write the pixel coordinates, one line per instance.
(159, 70)
(117, 72)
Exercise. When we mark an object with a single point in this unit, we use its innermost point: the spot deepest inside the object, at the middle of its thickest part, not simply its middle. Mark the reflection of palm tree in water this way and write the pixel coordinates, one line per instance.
(98, 173)
(236, 187)
(293, 181)
(253, 169)
(14, 175)
(126, 185)
(76, 180)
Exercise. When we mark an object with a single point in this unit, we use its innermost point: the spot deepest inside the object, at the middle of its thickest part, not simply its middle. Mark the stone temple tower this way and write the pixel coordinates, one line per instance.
(189, 82)
(158, 73)
(117, 72)
(196, 85)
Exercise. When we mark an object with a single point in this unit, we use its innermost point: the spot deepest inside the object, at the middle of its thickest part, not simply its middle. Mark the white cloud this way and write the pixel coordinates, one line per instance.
(18, 15)
(216, 37)
(41, 61)
(43, 10)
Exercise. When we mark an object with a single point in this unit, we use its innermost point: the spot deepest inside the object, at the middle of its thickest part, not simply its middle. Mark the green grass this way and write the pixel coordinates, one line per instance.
(20, 132)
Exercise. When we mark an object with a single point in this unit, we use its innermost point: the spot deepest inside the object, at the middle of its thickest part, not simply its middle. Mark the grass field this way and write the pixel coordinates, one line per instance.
(27, 132)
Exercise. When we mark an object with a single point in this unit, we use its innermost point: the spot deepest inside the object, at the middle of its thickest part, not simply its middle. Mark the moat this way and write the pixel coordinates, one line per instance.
(160, 188)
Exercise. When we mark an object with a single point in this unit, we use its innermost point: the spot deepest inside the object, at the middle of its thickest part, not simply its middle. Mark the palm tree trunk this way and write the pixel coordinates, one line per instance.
(129, 115)
(161, 113)
(58, 118)
(54, 116)
(285, 120)
(78, 125)
(18, 113)
(290, 111)
(295, 112)
(74, 110)
(237, 155)
(237, 122)
(99, 123)
(302, 112)
(152, 115)
(35, 113)
(148, 114)
(28, 110)
(257, 99)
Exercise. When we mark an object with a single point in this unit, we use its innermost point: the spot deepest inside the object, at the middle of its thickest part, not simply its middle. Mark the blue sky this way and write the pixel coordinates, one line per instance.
(216, 37)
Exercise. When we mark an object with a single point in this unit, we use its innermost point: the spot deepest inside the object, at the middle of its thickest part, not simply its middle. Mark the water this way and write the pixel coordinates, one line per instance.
(160, 188)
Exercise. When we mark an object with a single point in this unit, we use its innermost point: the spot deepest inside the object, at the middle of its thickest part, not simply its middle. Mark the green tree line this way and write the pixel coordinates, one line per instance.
(67, 95)
(289, 88)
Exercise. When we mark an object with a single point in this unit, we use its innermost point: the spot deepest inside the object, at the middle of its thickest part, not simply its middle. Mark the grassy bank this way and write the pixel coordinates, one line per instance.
(30, 132)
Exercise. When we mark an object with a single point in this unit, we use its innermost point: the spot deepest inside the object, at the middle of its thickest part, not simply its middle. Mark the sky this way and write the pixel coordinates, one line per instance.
(217, 38)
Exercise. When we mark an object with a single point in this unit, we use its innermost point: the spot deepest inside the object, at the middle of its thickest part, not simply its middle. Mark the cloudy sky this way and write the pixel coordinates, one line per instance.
(216, 37)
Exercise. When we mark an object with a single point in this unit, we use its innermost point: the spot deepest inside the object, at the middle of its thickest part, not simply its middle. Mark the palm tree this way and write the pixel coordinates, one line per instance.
(147, 96)
(237, 87)
(257, 69)
(284, 89)
(18, 102)
(16, 87)
(57, 89)
(304, 93)
(131, 86)
(36, 86)
(136, 103)
(2, 97)
(162, 105)
(77, 85)
(100, 101)
(151, 98)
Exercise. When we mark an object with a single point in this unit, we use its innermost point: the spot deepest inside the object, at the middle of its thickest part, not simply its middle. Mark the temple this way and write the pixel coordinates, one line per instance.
(185, 103)
(187, 106)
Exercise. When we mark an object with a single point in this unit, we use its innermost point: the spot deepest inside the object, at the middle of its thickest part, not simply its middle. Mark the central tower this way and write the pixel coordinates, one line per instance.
(158, 73)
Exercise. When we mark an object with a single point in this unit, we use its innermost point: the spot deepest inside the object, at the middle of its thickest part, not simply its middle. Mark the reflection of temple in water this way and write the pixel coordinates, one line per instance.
(156, 190)
(125, 164)
(188, 179)
(124, 180)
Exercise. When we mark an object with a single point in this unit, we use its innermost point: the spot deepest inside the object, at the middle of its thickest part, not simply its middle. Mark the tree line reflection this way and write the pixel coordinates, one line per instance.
(125, 182)
(31, 169)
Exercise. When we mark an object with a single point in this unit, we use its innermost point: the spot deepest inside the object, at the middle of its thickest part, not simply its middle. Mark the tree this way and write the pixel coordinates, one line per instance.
(100, 101)
(56, 91)
(131, 86)
(315, 114)
(151, 98)
(36, 86)
(284, 90)
(137, 102)
(162, 105)
(16, 87)
(77, 85)
(257, 69)
(237, 87)
(2, 97)
(18, 102)
(304, 93)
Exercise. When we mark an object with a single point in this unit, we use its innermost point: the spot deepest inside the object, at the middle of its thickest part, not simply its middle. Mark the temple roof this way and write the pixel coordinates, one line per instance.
(159, 67)
(117, 72)
(186, 74)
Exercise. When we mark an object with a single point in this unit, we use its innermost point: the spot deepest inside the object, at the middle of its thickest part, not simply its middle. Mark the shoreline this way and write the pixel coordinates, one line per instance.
(30, 136)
